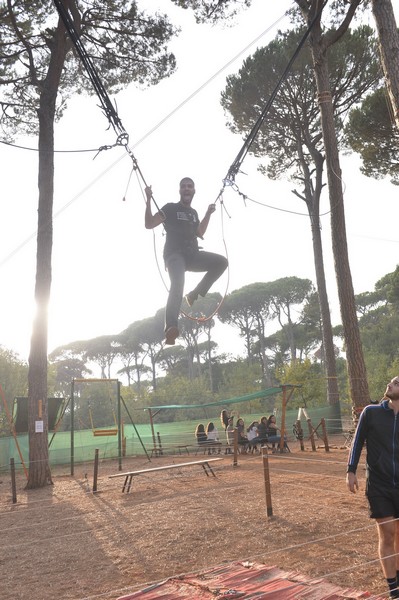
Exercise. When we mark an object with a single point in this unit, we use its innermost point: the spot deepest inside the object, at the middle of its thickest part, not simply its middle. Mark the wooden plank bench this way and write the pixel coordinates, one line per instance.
(130, 474)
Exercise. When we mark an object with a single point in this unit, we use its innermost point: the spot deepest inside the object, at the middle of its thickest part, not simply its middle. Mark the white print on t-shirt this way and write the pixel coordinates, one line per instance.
(183, 216)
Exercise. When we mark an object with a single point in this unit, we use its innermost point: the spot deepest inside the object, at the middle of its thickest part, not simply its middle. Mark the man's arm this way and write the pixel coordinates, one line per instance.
(151, 220)
(355, 451)
(202, 227)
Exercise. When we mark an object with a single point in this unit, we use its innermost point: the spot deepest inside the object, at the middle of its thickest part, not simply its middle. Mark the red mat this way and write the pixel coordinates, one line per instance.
(247, 581)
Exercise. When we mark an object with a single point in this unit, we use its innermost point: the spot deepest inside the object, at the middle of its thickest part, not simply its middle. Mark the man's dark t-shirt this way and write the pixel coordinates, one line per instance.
(181, 225)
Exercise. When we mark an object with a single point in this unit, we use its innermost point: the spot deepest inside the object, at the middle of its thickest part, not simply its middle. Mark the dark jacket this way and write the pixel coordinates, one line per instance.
(378, 427)
(262, 431)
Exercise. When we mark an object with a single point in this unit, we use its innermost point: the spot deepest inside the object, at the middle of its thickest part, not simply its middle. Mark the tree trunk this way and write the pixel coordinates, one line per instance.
(328, 340)
(312, 200)
(39, 468)
(388, 36)
(355, 361)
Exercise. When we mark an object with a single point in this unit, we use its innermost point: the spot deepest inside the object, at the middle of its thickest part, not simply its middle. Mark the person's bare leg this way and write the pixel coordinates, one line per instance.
(388, 539)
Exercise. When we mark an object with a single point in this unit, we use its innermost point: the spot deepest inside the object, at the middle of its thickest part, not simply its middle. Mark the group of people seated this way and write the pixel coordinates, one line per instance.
(250, 439)
(261, 432)
(208, 436)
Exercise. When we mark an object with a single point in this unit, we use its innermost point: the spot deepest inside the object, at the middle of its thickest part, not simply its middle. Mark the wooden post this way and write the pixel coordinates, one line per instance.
(120, 429)
(95, 471)
(235, 453)
(266, 475)
(154, 443)
(300, 434)
(311, 434)
(283, 413)
(325, 436)
(159, 444)
(13, 483)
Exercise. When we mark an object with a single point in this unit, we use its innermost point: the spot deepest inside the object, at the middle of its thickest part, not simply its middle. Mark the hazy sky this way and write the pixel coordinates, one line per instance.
(105, 273)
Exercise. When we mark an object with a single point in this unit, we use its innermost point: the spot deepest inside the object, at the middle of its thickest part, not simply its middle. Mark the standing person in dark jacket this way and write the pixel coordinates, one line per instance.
(378, 427)
(181, 251)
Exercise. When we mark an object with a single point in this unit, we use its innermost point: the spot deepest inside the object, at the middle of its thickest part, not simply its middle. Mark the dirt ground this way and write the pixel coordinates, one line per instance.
(65, 542)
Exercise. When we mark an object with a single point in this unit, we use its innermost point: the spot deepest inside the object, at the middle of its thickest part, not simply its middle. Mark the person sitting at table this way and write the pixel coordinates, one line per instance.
(273, 435)
(262, 432)
(202, 438)
(213, 437)
(252, 434)
(200, 434)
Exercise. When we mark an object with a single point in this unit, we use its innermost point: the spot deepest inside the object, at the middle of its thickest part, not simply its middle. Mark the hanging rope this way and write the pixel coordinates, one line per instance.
(106, 104)
(236, 165)
(101, 92)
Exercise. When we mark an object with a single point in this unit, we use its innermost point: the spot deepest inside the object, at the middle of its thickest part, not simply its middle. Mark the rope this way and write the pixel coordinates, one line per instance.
(235, 166)
(106, 104)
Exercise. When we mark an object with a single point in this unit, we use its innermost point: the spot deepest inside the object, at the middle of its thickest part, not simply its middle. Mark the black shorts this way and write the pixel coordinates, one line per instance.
(383, 501)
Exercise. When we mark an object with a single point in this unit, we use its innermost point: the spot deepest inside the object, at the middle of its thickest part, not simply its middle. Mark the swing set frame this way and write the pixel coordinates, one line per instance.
(117, 430)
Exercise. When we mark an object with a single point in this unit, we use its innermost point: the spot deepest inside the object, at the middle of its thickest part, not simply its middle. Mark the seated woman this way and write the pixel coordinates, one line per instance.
(252, 434)
(272, 434)
(262, 432)
(202, 438)
(200, 434)
(213, 437)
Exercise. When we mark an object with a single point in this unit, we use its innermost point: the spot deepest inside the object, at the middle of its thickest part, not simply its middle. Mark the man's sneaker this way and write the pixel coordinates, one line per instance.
(191, 298)
(170, 335)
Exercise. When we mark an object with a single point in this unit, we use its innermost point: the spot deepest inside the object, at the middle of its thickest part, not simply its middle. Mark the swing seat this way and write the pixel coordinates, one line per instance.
(98, 432)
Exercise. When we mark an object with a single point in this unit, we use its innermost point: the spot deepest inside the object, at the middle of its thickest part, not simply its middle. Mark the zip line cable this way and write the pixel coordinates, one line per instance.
(236, 165)
(144, 137)
(102, 94)
(115, 121)
(176, 108)
(106, 104)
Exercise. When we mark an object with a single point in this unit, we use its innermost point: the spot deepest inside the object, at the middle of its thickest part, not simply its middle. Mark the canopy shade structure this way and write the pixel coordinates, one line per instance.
(286, 390)
(261, 394)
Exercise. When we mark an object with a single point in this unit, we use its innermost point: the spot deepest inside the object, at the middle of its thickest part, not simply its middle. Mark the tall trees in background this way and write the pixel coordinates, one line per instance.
(321, 40)
(388, 36)
(290, 139)
(371, 132)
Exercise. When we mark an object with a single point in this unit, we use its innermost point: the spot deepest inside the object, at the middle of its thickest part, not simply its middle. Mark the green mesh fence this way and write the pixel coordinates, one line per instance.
(172, 435)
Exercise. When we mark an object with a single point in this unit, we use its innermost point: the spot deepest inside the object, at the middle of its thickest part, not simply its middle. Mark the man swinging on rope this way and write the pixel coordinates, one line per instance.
(181, 252)
(378, 428)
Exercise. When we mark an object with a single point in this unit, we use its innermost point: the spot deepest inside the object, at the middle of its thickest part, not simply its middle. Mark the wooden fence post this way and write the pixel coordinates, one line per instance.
(159, 445)
(266, 475)
(95, 470)
(311, 434)
(235, 453)
(300, 434)
(13, 483)
(325, 436)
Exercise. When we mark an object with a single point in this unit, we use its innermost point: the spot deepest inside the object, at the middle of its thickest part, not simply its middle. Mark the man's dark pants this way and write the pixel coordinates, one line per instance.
(177, 264)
